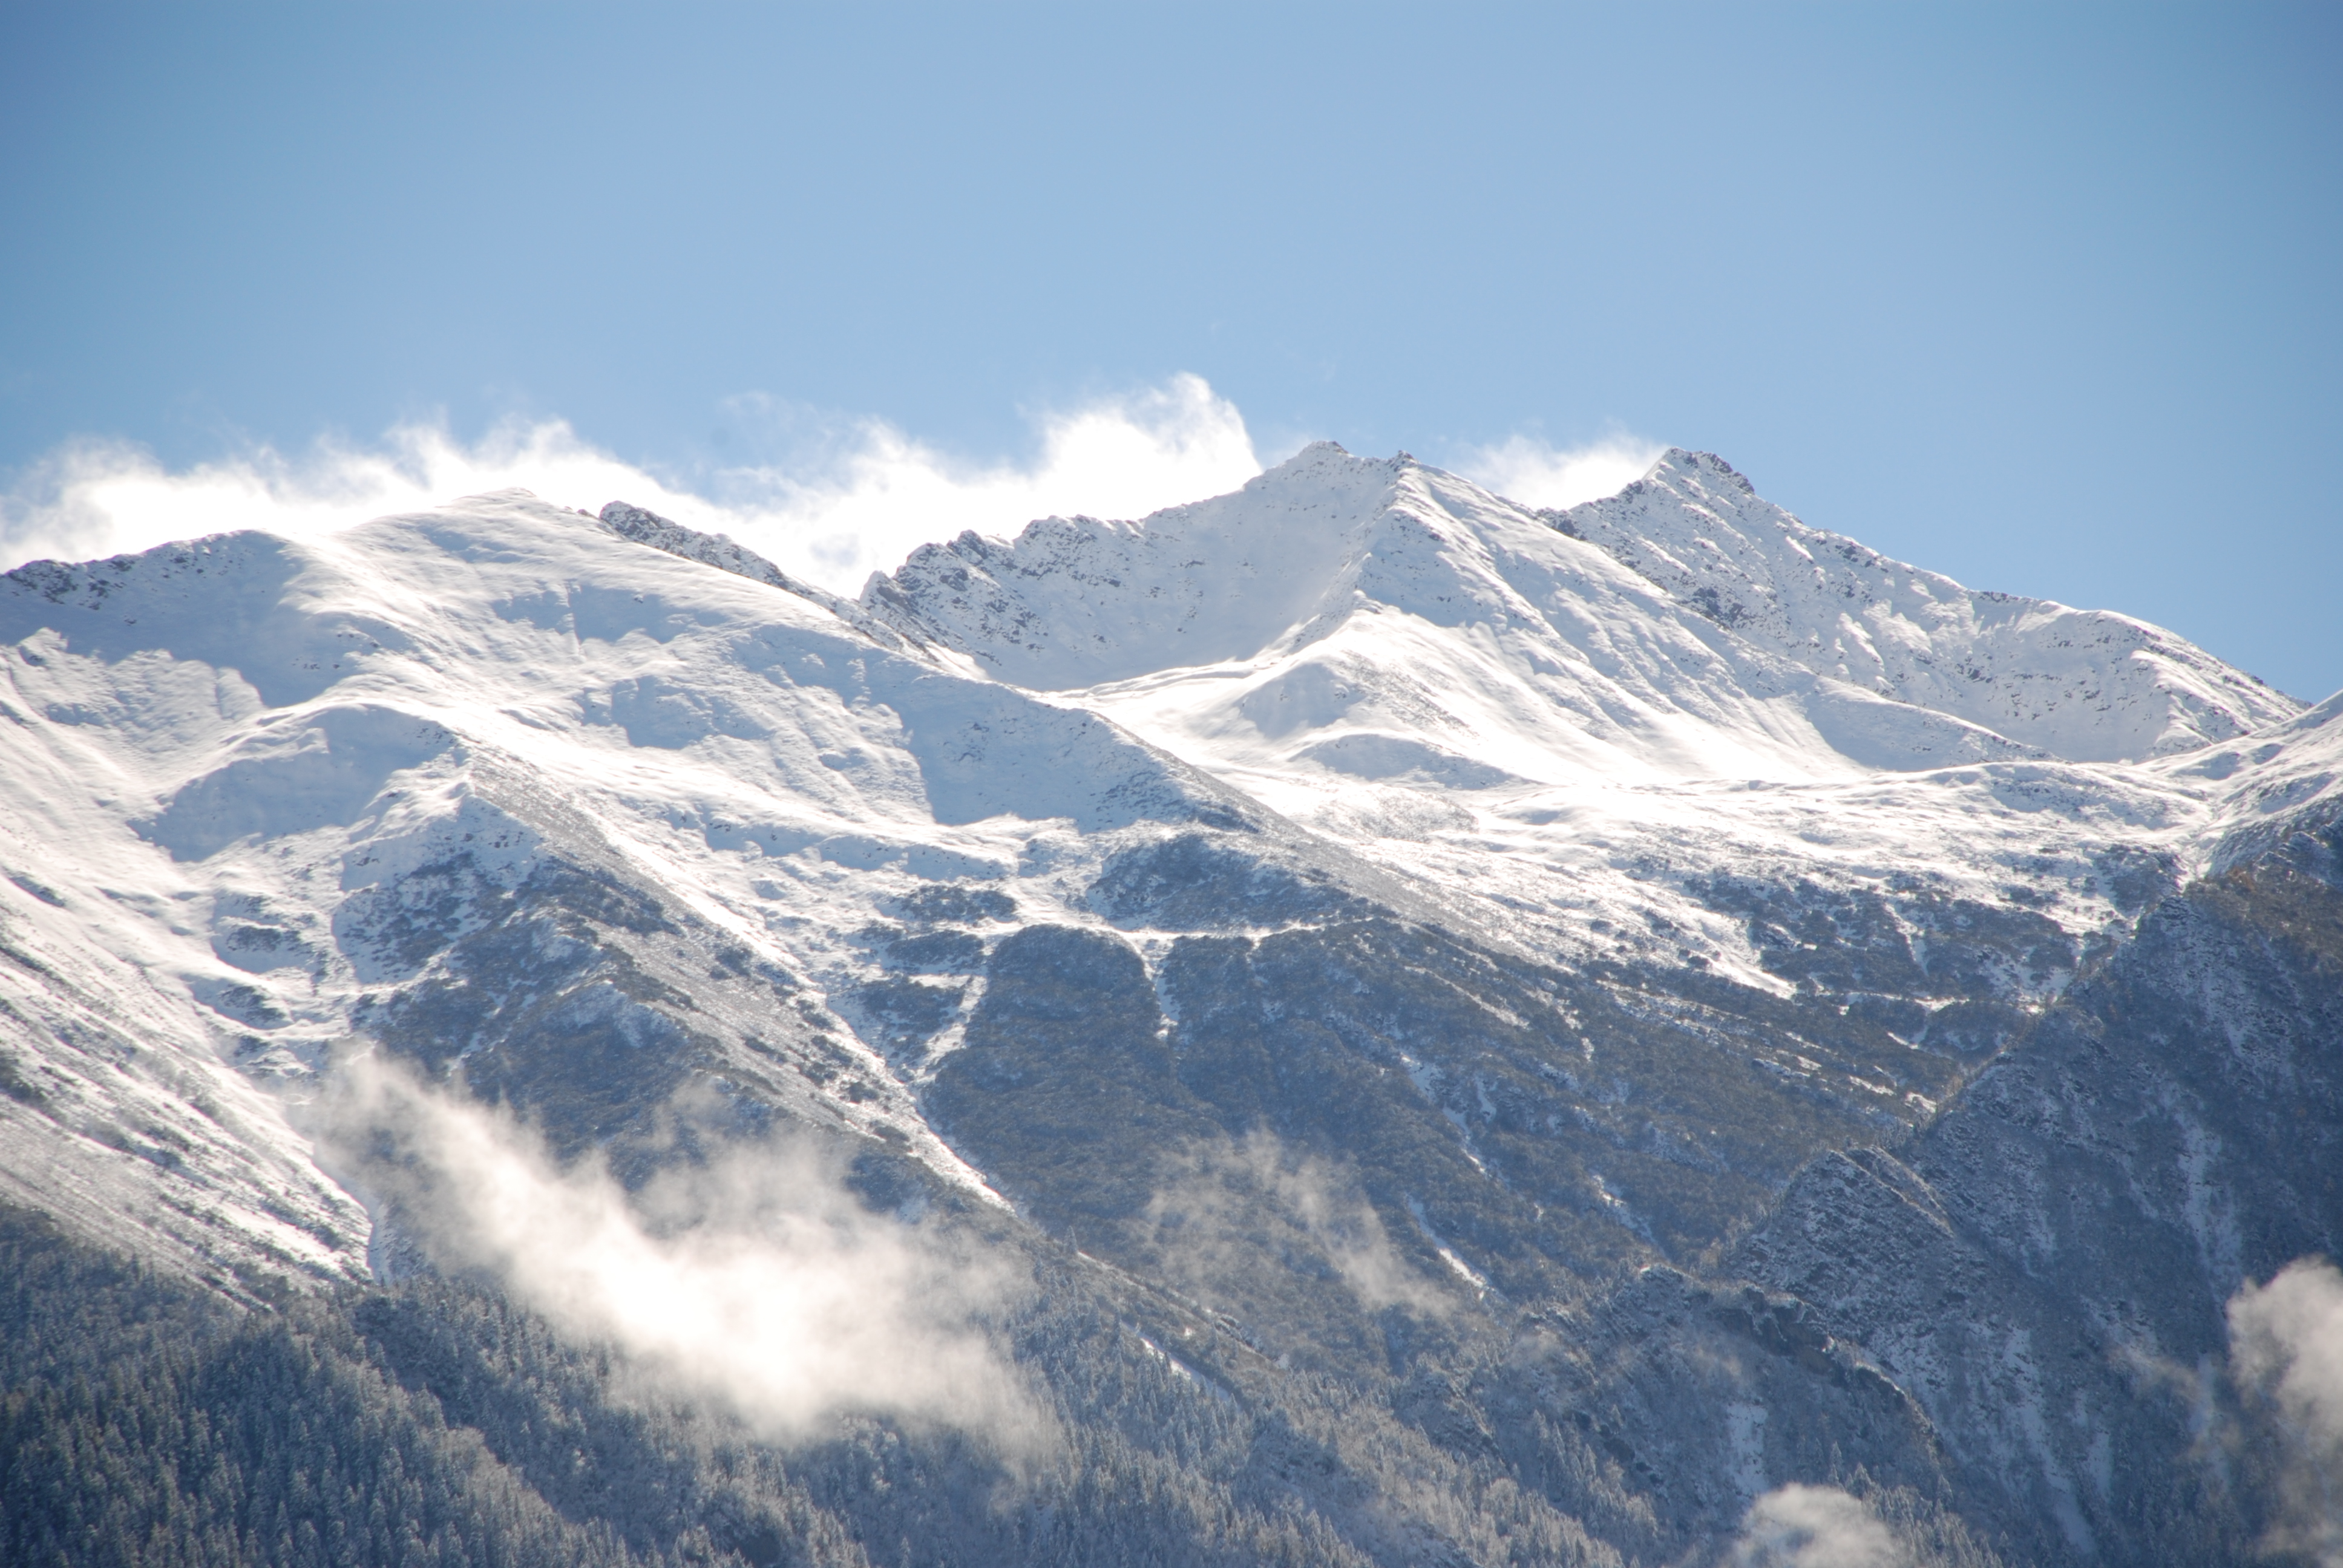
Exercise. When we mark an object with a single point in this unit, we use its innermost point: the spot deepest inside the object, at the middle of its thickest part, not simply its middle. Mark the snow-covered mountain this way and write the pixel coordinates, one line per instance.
(1573, 879)
(258, 790)
(2084, 685)
(1290, 562)
(1542, 707)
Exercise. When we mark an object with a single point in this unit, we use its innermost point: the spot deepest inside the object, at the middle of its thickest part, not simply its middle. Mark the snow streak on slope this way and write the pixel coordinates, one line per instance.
(118, 1113)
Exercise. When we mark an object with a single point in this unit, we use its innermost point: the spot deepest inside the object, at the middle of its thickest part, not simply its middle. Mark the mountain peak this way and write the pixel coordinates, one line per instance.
(1700, 468)
(1319, 457)
(2084, 685)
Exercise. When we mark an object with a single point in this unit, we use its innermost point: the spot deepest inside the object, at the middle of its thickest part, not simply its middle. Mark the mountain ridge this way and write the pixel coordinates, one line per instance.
(1754, 568)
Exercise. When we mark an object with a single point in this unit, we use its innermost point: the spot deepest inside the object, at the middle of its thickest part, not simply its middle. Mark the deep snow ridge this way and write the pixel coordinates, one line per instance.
(2089, 685)
(1074, 601)
(1753, 614)
(644, 527)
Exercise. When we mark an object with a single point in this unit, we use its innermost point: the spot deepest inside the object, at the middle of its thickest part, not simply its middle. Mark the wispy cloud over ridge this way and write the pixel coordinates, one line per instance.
(834, 510)
(1798, 1526)
(1525, 469)
(881, 493)
(858, 506)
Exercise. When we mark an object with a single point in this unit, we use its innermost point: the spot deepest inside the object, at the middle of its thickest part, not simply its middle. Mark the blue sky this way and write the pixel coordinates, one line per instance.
(2045, 298)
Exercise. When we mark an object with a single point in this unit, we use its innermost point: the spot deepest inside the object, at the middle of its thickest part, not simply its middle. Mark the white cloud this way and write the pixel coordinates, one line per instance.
(756, 1281)
(1206, 1225)
(93, 498)
(2286, 1350)
(887, 493)
(1815, 1527)
(1525, 469)
(836, 511)
(859, 508)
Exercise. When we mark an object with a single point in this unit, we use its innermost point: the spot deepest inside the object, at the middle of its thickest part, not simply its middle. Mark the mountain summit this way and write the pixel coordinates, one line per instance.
(2084, 685)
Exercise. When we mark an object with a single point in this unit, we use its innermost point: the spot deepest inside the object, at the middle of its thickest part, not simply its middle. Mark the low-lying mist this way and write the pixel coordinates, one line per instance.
(1230, 1202)
(2286, 1354)
(755, 1280)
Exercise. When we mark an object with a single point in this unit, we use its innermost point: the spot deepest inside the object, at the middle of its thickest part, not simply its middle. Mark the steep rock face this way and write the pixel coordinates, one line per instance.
(1662, 1411)
(2045, 1267)
(2084, 685)
(1461, 1089)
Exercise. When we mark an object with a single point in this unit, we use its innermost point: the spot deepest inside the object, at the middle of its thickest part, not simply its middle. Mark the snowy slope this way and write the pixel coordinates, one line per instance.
(465, 781)
(254, 793)
(1338, 596)
(2276, 784)
(2086, 685)
(1396, 658)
